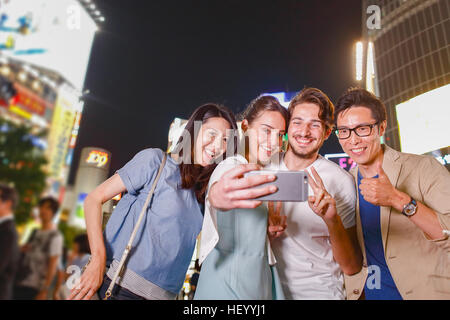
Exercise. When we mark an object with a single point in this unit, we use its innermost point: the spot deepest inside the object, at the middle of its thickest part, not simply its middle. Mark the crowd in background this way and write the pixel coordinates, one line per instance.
(41, 267)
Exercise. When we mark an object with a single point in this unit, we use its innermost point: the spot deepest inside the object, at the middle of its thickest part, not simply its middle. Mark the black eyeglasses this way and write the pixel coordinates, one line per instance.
(361, 131)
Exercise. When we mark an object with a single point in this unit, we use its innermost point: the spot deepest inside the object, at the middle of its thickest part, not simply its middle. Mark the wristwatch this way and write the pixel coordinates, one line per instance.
(410, 208)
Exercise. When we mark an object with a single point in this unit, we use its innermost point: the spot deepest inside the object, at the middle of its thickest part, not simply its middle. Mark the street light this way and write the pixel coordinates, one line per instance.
(370, 70)
(359, 60)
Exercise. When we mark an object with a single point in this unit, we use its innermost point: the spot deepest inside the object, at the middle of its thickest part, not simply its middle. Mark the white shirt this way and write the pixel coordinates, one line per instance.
(305, 259)
(38, 257)
(210, 235)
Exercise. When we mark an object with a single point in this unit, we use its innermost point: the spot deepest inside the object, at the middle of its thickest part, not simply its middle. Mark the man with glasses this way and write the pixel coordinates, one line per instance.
(403, 210)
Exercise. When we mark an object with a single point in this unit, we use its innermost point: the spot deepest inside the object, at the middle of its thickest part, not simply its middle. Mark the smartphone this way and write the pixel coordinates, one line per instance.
(292, 185)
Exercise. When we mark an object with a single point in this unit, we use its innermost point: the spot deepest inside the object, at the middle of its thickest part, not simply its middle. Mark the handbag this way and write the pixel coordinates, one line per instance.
(125, 253)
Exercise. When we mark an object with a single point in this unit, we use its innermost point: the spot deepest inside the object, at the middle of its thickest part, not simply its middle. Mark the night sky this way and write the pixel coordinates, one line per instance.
(156, 60)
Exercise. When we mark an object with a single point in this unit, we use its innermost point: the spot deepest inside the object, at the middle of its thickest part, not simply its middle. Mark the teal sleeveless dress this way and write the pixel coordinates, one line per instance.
(238, 266)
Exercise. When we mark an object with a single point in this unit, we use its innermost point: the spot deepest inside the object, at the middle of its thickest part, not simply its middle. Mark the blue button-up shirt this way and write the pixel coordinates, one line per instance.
(165, 243)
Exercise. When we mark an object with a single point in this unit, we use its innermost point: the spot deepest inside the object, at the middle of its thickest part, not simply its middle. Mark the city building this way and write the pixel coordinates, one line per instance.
(404, 59)
(45, 47)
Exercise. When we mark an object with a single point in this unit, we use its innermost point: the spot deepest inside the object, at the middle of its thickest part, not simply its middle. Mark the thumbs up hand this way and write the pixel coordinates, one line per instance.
(378, 191)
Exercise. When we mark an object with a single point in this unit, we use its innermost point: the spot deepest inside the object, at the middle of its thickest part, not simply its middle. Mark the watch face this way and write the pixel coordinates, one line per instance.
(410, 209)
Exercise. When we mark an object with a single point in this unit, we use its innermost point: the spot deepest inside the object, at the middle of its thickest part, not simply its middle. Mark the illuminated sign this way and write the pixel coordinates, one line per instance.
(98, 158)
(53, 34)
(76, 127)
(342, 159)
(118, 197)
(445, 160)
(423, 121)
(359, 60)
(79, 212)
(19, 111)
(370, 70)
(31, 101)
(441, 155)
(66, 107)
(281, 97)
(77, 219)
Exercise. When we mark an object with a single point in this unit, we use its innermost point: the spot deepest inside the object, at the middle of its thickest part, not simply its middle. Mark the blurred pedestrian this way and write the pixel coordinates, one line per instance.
(78, 256)
(9, 249)
(81, 251)
(41, 255)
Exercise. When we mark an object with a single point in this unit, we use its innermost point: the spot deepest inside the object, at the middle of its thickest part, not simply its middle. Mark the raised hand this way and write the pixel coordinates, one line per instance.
(277, 221)
(322, 203)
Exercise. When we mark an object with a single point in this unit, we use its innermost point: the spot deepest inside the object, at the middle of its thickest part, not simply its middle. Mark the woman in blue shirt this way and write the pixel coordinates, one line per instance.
(163, 247)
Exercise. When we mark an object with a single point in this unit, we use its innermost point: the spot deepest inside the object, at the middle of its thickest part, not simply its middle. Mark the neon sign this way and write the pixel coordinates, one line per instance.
(342, 159)
(98, 158)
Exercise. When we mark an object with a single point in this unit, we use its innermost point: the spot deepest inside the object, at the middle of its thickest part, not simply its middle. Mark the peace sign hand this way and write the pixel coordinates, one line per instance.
(322, 203)
(277, 221)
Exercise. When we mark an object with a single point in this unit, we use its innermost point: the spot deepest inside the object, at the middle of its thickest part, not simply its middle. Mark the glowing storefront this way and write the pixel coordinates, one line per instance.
(45, 47)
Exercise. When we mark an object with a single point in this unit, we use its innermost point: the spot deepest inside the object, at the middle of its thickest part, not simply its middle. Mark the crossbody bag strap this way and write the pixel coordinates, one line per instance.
(133, 234)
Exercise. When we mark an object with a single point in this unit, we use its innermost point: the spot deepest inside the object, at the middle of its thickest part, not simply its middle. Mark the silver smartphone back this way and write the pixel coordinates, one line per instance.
(292, 185)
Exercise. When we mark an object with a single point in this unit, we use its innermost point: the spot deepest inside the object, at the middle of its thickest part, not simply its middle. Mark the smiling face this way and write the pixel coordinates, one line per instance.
(363, 150)
(211, 141)
(307, 131)
(265, 134)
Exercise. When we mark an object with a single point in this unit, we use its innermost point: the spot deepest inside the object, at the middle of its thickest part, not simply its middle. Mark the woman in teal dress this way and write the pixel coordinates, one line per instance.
(237, 263)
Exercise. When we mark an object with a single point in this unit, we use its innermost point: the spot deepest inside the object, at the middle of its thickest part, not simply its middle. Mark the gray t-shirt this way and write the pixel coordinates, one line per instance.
(43, 245)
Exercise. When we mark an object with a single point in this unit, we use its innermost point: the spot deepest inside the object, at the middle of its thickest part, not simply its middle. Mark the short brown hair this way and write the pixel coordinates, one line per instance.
(361, 97)
(317, 97)
(8, 193)
(52, 202)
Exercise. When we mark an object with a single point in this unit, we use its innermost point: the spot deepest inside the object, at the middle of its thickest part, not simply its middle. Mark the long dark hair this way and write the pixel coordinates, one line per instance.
(194, 175)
